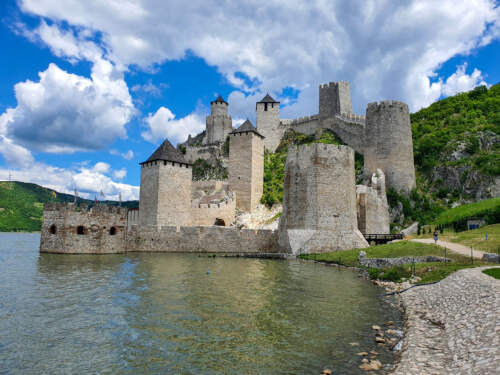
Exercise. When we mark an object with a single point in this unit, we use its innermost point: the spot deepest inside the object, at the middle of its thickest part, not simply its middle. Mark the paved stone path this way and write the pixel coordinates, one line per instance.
(455, 247)
(453, 327)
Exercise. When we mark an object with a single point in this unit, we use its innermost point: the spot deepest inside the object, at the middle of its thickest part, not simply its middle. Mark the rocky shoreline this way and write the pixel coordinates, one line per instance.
(450, 327)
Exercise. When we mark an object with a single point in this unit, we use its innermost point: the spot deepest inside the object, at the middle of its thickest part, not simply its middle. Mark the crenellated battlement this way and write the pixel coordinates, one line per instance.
(352, 117)
(333, 84)
(302, 120)
(387, 104)
(69, 207)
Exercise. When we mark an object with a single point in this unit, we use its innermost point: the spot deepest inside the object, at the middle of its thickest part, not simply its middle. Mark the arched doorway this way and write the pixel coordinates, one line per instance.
(53, 229)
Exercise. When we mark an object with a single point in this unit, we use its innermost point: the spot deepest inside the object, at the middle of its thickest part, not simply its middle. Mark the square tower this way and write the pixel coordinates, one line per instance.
(334, 99)
(165, 196)
(268, 121)
(246, 166)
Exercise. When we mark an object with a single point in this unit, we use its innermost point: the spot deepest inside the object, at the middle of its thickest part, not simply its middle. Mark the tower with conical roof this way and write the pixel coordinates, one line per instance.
(165, 196)
(246, 166)
(268, 120)
(219, 124)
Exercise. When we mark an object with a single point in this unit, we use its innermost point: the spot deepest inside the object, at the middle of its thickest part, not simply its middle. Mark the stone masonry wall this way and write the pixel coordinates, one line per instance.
(373, 209)
(319, 204)
(207, 214)
(246, 169)
(389, 144)
(165, 196)
(268, 124)
(103, 229)
(202, 240)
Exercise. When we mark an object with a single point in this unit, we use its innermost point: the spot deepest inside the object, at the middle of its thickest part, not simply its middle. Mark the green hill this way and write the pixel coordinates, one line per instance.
(21, 205)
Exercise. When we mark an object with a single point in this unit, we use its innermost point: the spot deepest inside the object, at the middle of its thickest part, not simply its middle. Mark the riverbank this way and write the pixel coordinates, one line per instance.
(452, 327)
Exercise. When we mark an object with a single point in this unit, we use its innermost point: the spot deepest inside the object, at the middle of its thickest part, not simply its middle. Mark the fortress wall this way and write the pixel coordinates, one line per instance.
(389, 144)
(350, 129)
(206, 214)
(132, 217)
(97, 237)
(319, 203)
(306, 125)
(209, 152)
(209, 185)
(202, 240)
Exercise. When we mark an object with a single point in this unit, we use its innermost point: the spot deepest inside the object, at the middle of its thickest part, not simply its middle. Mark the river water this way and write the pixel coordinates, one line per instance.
(180, 314)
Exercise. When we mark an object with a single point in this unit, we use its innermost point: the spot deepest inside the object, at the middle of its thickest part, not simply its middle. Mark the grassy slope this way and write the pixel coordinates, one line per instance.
(21, 205)
(426, 271)
(493, 272)
(488, 209)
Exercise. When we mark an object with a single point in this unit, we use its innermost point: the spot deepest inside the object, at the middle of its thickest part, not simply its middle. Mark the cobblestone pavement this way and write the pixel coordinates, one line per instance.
(455, 247)
(452, 327)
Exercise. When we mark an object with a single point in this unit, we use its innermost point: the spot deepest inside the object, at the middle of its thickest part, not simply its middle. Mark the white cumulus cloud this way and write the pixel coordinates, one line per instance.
(163, 124)
(126, 155)
(385, 49)
(64, 112)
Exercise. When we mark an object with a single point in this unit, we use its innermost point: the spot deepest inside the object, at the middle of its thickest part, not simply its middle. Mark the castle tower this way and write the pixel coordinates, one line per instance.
(334, 98)
(268, 120)
(165, 196)
(389, 144)
(246, 166)
(219, 124)
(319, 204)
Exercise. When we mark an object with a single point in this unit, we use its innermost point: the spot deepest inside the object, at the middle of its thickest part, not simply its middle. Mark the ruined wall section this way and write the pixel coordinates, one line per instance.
(210, 213)
(319, 204)
(165, 196)
(389, 144)
(373, 209)
(69, 229)
(209, 152)
(202, 240)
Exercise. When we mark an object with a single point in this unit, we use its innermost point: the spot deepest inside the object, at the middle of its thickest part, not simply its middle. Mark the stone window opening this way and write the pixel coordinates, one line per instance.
(265, 106)
(112, 231)
(80, 230)
(53, 229)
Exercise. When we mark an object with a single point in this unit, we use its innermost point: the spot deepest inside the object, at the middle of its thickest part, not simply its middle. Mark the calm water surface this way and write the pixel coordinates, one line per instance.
(163, 314)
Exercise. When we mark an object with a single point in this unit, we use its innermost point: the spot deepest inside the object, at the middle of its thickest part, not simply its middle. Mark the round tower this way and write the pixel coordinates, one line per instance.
(268, 120)
(389, 144)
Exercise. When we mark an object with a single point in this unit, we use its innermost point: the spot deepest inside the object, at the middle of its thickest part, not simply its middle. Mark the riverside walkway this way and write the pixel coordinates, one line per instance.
(455, 247)
(452, 327)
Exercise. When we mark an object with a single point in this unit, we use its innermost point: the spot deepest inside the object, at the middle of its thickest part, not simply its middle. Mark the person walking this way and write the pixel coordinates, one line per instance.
(436, 237)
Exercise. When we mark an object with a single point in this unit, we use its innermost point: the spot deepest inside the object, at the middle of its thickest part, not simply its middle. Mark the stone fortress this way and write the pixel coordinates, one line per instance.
(323, 209)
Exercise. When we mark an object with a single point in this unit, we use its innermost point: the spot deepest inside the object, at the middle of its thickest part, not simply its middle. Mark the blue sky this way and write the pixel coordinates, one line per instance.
(89, 88)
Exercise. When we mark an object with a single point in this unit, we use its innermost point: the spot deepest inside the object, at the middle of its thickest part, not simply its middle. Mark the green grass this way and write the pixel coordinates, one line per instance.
(488, 209)
(21, 205)
(428, 272)
(493, 272)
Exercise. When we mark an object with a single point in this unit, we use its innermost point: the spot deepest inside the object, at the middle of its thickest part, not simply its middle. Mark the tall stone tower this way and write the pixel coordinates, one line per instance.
(165, 197)
(219, 124)
(334, 98)
(389, 144)
(268, 120)
(319, 205)
(246, 166)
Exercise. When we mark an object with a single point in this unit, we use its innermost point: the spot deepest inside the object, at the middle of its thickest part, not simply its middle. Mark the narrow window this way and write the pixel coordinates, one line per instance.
(265, 106)
(112, 231)
(80, 230)
(53, 229)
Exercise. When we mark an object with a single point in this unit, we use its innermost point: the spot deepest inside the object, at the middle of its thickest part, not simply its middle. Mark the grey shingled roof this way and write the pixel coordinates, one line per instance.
(247, 126)
(219, 99)
(268, 99)
(167, 152)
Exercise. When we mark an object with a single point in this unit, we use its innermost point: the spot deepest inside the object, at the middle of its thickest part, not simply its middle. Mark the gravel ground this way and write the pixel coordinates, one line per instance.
(452, 327)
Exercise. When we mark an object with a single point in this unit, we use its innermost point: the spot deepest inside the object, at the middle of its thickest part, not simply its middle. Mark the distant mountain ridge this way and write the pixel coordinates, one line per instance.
(21, 205)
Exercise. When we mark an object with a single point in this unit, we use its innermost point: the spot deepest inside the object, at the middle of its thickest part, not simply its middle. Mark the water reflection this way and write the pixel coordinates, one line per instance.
(162, 313)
